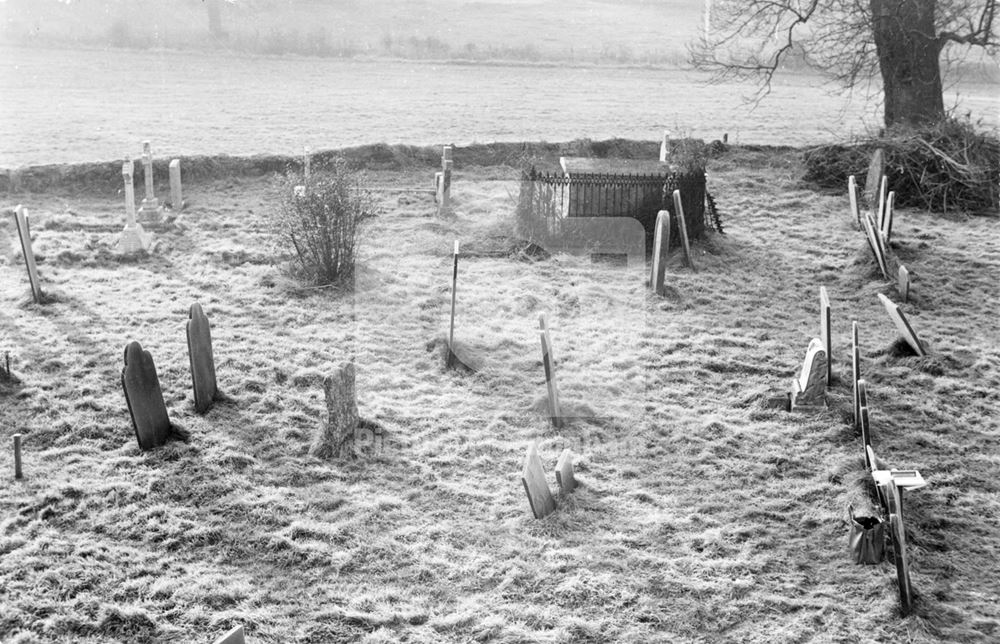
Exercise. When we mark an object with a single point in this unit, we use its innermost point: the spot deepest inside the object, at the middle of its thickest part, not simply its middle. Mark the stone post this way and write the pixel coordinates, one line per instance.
(176, 196)
(132, 236)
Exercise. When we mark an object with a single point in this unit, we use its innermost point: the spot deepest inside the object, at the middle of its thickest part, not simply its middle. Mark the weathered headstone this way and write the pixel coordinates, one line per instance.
(444, 187)
(535, 485)
(882, 196)
(903, 325)
(176, 195)
(18, 474)
(903, 283)
(856, 374)
(809, 389)
(451, 324)
(825, 331)
(902, 565)
(134, 239)
(342, 412)
(564, 472)
(234, 636)
(874, 180)
(548, 362)
(199, 340)
(886, 228)
(661, 247)
(665, 147)
(852, 193)
(437, 186)
(144, 398)
(24, 233)
(682, 229)
(150, 203)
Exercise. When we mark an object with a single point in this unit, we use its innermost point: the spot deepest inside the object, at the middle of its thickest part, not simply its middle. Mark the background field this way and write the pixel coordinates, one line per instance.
(702, 516)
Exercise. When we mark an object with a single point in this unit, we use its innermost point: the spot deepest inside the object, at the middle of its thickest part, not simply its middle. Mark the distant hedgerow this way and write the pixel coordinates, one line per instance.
(320, 221)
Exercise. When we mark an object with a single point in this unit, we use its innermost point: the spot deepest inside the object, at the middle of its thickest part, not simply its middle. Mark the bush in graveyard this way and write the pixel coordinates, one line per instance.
(945, 166)
(322, 225)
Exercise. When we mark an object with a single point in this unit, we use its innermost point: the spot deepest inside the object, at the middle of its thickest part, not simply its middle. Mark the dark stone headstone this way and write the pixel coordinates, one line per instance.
(535, 485)
(199, 339)
(682, 229)
(144, 398)
(825, 331)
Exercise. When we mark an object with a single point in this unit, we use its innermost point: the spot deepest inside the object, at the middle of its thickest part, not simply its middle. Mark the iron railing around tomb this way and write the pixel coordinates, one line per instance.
(548, 198)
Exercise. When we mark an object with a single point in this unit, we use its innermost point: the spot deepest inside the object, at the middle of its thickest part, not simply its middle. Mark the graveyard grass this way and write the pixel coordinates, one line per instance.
(700, 514)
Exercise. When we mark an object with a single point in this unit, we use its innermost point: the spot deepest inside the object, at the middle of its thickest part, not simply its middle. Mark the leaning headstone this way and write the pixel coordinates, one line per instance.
(886, 228)
(682, 228)
(824, 331)
(234, 636)
(199, 340)
(665, 146)
(903, 325)
(451, 325)
(852, 193)
(809, 389)
(176, 196)
(903, 283)
(437, 186)
(661, 246)
(548, 362)
(875, 243)
(144, 398)
(874, 181)
(564, 472)
(882, 198)
(342, 413)
(902, 565)
(445, 156)
(150, 203)
(134, 239)
(21, 221)
(535, 486)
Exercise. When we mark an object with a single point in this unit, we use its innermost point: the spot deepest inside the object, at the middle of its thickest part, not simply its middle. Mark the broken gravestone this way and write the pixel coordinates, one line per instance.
(535, 486)
(199, 340)
(342, 413)
(903, 325)
(809, 389)
(564, 472)
(144, 398)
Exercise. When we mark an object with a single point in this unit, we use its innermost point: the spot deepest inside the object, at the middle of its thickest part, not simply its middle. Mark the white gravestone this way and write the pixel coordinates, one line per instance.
(809, 389)
(134, 239)
(150, 203)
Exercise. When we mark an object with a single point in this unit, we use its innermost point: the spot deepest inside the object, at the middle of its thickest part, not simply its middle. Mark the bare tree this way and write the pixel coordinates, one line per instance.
(851, 41)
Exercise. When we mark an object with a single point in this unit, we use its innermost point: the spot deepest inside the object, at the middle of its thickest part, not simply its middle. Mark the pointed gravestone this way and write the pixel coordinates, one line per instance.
(199, 340)
(903, 283)
(24, 233)
(342, 413)
(548, 362)
(535, 485)
(144, 398)
(852, 193)
(176, 193)
(682, 229)
(661, 246)
(809, 389)
(824, 331)
(874, 181)
(902, 325)
(234, 636)
(665, 146)
(564, 472)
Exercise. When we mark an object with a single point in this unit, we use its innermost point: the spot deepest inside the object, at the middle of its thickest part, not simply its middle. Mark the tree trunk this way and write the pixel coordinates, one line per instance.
(906, 43)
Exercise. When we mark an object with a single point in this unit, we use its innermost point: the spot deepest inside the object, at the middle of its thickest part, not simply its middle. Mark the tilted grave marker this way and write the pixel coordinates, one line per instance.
(882, 195)
(661, 247)
(903, 283)
(341, 410)
(903, 325)
(535, 486)
(144, 398)
(176, 194)
(876, 168)
(24, 233)
(809, 389)
(134, 239)
(306, 162)
(866, 435)
(875, 243)
(902, 565)
(548, 362)
(199, 341)
(564, 472)
(682, 229)
(855, 374)
(825, 331)
(18, 474)
(150, 203)
(886, 228)
(852, 193)
(234, 636)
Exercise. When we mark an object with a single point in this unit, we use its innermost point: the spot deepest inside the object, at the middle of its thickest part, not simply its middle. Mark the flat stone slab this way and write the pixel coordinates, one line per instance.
(144, 398)
(903, 325)
(564, 472)
(200, 356)
(535, 485)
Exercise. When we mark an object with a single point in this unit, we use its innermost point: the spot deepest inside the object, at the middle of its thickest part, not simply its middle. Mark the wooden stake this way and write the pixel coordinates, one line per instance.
(17, 457)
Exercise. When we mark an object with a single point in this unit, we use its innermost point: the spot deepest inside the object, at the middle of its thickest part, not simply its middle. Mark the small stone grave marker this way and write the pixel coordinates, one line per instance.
(903, 283)
(682, 228)
(150, 203)
(535, 486)
(134, 239)
(809, 389)
(176, 195)
(234, 636)
(661, 247)
(903, 325)
(342, 412)
(876, 168)
(564, 472)
(18, 474)
(886, 228)
(902, 565)
(875, 243)
(444, 187)
(199, 341)
(24, 233)
(824, 331)
(665, 146)
(882, 194)
(548, 362)
(852, 193)
(144, 398)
